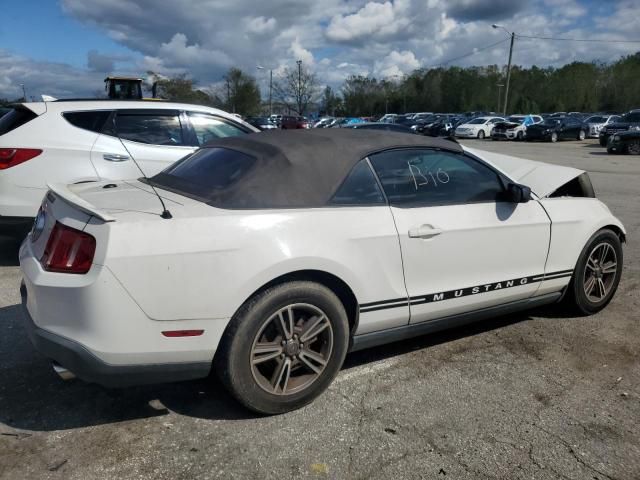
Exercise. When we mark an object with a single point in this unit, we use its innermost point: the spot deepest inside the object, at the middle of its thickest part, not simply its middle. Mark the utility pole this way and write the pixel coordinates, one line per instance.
(259, 67)
(270, 91)
(499, 85)
(299, 62)
(24, 92)
(506, 90)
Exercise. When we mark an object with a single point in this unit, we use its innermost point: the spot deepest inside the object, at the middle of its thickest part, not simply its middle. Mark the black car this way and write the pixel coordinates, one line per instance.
(625, 142)
(390, 127)
(557, 128)
(628, 121)
(261, 123)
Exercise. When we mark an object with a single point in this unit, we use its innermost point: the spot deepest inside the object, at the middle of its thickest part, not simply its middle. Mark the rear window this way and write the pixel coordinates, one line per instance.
(93, 121)
(15, 118)
(205, 173)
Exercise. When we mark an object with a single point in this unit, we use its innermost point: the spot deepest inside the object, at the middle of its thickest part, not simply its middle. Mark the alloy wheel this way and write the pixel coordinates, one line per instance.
(600, 272)
(291, 349)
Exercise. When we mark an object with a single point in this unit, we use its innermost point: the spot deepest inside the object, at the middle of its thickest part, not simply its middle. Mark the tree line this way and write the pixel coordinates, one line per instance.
(578, 86)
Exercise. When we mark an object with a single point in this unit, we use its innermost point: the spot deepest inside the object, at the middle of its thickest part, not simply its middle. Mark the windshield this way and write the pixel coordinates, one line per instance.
(514, 119)
(478, 121)
(596, 119)
(551, 122)
(632, 117)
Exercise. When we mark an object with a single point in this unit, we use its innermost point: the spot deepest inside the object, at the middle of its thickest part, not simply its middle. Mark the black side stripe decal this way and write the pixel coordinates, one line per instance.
(461, 292)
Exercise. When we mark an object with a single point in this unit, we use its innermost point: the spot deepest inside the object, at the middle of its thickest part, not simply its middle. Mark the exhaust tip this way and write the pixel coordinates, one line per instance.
(62, 372)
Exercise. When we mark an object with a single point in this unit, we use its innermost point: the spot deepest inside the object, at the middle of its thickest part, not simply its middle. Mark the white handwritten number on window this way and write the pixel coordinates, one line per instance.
(421, 179)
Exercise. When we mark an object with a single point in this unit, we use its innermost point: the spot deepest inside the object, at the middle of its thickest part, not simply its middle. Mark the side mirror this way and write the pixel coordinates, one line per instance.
(518, 193)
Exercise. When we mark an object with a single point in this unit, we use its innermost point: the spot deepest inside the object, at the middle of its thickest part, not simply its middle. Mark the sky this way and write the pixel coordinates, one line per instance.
(65, 48)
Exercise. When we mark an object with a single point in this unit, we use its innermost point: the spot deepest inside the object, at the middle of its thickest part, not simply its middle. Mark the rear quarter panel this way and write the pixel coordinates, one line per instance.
(206, 267)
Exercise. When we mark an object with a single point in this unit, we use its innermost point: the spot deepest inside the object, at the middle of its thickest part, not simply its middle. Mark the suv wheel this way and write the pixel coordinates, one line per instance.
(582, 135)
(284, 347)
(481, 135)
(554, 137)
(597, 273)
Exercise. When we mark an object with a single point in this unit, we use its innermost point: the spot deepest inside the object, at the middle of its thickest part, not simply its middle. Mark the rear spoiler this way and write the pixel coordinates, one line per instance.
(68, 196)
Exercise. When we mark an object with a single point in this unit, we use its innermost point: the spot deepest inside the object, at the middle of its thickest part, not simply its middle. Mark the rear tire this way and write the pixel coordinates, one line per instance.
(597, 273)
(283, 347)
(633, 148)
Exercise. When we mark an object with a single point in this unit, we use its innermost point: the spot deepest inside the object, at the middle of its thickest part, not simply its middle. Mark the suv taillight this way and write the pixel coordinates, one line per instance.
(10, 157)
(68, 250)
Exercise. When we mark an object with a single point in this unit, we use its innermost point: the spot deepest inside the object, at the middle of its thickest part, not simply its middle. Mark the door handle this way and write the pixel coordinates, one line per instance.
(115, 157)
(424, 231)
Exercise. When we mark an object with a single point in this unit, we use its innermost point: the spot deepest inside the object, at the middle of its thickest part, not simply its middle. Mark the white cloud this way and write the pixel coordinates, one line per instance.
(336, 38)
(396, 64)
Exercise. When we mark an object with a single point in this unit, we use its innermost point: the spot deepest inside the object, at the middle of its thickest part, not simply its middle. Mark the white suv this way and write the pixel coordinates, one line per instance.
(82, 141)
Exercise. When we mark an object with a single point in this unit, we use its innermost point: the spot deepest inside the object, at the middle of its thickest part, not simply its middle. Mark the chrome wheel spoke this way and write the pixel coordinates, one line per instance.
(591, 265)
(609, 267)
(264, 352)
(281, 375)
(286, 323)
(314, 328)
(589, 284)
(312, 360)
(601, 288)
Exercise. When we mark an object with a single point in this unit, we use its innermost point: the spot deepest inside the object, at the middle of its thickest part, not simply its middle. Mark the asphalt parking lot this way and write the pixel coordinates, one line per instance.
(538, 395)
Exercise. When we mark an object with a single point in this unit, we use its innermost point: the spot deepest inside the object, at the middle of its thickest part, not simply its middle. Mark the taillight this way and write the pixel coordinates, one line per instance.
(10, 157)
(68, 250)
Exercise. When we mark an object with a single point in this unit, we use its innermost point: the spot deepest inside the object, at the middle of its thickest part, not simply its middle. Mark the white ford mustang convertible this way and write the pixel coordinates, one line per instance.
(267, 258)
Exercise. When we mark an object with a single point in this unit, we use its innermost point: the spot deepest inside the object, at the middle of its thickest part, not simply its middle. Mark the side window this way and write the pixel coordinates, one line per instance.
(93, 121)
(359, 188)
(150, 127)
(433, 177)
(208, 127)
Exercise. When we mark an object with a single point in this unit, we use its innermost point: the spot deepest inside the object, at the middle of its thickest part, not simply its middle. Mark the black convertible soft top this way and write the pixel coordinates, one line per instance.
(297, 168)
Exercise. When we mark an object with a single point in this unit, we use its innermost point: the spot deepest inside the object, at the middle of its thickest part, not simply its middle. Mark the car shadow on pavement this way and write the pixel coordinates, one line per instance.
(9, 251)
(33, 398)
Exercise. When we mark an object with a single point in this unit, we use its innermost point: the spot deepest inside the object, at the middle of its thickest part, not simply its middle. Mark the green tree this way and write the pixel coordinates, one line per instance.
(242, 93)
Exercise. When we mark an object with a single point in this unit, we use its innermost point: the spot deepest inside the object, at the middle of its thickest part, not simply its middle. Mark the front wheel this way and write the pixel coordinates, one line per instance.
(481, 135)
(597, 273)
(554, 137)
(582, 135)
(520, 136)
(284, 347)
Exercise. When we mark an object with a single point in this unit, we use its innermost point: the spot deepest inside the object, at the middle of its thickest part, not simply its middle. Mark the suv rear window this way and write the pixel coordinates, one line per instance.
(93, 121)
(15, 118)
(205, 173)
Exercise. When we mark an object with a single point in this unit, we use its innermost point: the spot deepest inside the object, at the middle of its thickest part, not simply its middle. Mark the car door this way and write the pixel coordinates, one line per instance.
(155, 138)
(464, 245)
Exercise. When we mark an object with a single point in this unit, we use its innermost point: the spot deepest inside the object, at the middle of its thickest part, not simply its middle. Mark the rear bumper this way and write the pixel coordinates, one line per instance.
(85, 365)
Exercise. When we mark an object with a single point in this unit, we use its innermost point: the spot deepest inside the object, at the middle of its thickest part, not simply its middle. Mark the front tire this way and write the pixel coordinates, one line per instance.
(582, 135)
(597, 273)
(554, 137)
(481, 135)
(520, 136)
(284, 347)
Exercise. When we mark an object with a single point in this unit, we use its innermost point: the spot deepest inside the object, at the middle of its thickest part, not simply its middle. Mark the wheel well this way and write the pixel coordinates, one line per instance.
(618, 231)
(333, 283)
